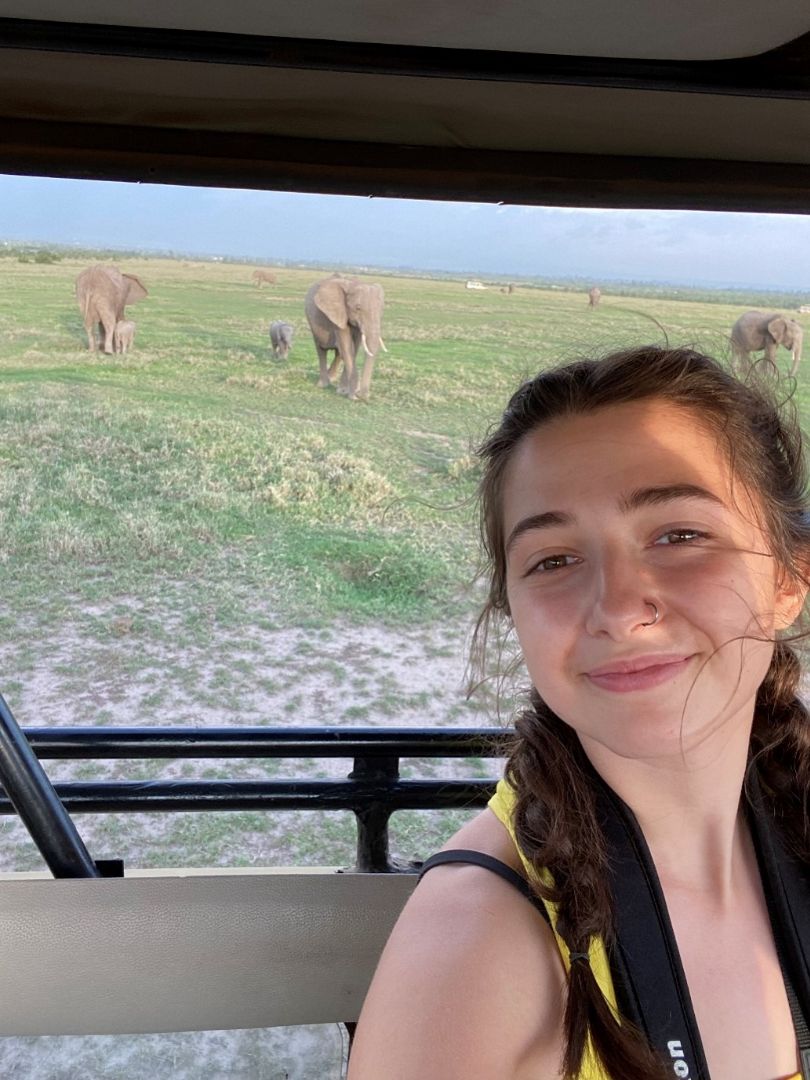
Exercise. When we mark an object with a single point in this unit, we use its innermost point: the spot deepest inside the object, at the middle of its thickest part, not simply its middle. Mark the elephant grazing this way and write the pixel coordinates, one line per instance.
(343, 314)
(281, 337)
(103, 292)
(260, 276)
(594, 296)
(123, 335)
(758, 330)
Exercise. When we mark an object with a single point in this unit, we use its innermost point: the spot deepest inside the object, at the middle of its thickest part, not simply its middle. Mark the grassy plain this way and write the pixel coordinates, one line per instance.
(195, 533)
(197, 457)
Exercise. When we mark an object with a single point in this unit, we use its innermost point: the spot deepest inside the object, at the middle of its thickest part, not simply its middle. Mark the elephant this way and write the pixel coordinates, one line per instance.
(123, 335)
(343, 314)
(758, 330)
(103, 292)
(594, 296)
(281, 338)
(260, 276)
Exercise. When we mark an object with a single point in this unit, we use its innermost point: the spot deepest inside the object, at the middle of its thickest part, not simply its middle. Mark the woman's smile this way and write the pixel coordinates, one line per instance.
(639, 673)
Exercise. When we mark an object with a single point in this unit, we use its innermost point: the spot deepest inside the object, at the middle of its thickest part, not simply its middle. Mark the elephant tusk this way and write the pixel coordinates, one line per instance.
(382, 345)
(364, 343)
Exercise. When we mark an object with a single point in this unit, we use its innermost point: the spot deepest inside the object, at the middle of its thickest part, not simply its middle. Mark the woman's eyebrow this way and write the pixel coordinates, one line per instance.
(640, 497)
(652, 496)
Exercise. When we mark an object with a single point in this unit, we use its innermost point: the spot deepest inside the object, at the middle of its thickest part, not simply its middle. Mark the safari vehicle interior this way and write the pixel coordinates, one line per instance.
(696, 105)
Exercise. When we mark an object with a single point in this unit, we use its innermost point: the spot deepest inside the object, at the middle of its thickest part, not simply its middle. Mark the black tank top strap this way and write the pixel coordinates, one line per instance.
(488, 862)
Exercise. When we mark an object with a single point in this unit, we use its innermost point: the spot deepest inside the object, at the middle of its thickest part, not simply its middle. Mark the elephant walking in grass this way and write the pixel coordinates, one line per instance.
(103, 293)
(345, 314)
(756, 331)
(262, 276)
(123, 335)
(281, 338)
(594, 296)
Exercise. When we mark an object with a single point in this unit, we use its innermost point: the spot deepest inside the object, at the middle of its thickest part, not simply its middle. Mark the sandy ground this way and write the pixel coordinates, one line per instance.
(113, 667)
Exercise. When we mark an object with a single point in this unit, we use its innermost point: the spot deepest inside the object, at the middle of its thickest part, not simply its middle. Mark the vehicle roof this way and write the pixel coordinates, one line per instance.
(637, 103)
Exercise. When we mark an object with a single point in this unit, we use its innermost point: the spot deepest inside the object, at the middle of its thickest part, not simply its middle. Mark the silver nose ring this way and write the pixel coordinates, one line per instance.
(656, 614)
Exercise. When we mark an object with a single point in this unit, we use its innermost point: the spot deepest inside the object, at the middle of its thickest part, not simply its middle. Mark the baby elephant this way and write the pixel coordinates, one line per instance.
(123, 335)
(281, 336)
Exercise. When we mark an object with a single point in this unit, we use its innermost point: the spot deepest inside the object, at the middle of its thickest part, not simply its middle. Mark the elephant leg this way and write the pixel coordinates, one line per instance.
(90, 329)
(334, 366)
(739, 361)
(347, 349)
(364, 388)
(323, 380)
(770, 356)
(109, 329)
(348, 380)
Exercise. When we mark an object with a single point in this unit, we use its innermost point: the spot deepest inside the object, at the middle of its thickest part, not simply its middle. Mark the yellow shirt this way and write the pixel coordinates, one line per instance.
(502, 805)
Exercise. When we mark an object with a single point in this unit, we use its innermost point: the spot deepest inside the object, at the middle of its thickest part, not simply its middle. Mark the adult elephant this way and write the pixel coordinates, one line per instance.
(103, 292)
(262, 276)
(594, 296)
(345, 314)
(758, 330)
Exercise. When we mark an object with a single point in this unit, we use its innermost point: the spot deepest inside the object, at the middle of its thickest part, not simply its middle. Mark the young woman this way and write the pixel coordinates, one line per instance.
(644, 520)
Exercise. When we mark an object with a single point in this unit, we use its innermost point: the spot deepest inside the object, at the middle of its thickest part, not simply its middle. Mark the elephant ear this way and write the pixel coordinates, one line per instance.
(136, 290)
(777, 328)
(330, 298)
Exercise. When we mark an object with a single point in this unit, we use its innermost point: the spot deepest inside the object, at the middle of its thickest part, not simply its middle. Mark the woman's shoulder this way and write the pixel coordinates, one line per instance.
(470, 983)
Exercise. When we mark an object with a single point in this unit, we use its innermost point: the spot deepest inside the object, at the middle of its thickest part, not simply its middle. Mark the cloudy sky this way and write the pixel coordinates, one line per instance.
(759, 250)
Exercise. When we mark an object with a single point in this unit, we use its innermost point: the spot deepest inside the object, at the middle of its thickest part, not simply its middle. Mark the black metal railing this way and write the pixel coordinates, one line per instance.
(373, 789)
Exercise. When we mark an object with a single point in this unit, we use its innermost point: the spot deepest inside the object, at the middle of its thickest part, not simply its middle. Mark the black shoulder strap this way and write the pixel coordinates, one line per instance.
(650, 983)
(786, 884)
(488, 862)
(649, 980)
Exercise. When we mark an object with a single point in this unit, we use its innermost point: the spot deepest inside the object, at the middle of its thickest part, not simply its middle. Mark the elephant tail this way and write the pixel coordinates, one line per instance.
(84, 303)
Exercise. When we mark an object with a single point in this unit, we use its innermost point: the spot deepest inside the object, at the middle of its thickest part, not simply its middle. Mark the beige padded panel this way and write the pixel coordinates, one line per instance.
(171, 952)
(662, 29)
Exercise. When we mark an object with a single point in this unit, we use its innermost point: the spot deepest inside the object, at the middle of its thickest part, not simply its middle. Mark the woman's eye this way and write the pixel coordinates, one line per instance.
(553, 562)
(680, 536)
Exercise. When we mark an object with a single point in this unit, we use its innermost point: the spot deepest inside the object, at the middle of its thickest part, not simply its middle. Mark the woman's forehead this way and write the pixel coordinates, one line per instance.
(613, 450)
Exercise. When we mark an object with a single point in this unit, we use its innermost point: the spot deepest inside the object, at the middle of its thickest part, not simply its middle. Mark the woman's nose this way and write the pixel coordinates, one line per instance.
(621, 599)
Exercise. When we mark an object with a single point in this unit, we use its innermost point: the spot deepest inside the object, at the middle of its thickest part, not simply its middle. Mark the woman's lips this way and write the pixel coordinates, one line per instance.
(641, 673)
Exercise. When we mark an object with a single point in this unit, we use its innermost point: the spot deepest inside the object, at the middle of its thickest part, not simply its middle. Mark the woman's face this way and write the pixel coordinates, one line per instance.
(608, 514)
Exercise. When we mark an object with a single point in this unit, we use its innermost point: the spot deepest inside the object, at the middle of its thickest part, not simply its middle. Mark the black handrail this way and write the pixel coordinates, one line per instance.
(178, 796)
(31, 794)
(373, 790)
(73, 743)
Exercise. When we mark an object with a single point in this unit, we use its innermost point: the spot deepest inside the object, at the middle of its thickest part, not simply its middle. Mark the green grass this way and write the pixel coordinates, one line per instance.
(197, 457)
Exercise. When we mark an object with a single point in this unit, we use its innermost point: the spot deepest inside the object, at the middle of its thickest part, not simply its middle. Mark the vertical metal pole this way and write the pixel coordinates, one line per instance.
(372, 821)
(33, 797)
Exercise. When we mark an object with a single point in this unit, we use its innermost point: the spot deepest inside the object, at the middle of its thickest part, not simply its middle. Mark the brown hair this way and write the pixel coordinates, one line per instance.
(555, 821)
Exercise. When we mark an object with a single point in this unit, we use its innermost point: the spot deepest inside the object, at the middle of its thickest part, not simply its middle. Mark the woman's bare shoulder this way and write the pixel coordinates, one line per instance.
(470, 984)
